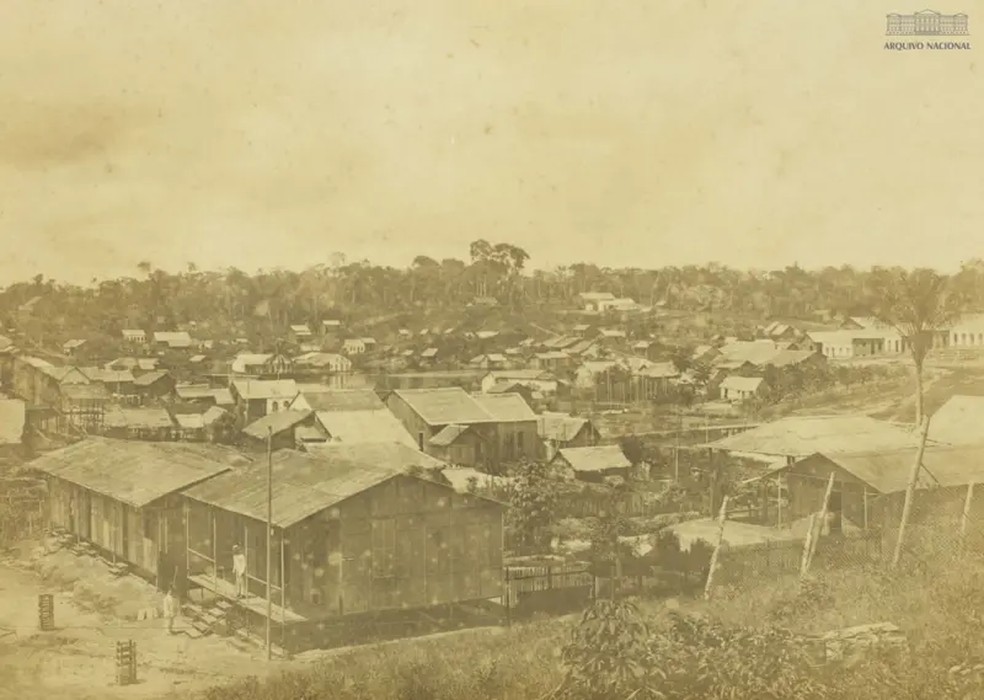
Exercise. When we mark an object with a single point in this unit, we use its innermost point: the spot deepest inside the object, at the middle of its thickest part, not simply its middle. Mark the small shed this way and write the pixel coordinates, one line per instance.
(283, 430)
(593, 463)
(155, 384)
(735, 388)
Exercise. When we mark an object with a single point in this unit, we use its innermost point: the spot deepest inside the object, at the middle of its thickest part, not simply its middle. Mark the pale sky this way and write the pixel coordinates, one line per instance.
(625, 133)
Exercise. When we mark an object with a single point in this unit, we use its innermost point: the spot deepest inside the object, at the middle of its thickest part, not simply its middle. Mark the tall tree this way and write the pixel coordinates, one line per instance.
(919, 304)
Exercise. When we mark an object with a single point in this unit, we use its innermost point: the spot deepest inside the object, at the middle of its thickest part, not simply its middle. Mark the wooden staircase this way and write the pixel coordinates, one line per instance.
(213, 619)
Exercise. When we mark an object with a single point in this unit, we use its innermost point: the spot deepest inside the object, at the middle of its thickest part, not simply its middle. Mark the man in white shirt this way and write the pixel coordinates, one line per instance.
(170, 610)
(239, 571)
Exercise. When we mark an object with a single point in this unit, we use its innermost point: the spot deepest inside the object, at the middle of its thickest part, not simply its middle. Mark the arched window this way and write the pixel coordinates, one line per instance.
(274, 407)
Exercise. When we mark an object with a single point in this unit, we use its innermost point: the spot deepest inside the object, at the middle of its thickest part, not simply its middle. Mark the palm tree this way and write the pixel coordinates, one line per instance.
(919, 305)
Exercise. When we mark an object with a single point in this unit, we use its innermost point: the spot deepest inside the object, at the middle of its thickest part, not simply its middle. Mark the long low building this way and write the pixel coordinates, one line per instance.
(123, 497)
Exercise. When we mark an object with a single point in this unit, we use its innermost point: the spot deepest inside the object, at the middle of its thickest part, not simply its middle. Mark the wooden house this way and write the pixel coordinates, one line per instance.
(736, 388)
(139, 423)
(13, 420)
(558, 431)
(869, 487)
(353, 416)
(263, 365)
(172, 340)
(256, 398)
(355, 536)
(118, 382)
(593, 464)
(154, 385)
(464, 429)
(285, 429)
(300, 332)
(134, 336)
(84, 405)
(121, 496)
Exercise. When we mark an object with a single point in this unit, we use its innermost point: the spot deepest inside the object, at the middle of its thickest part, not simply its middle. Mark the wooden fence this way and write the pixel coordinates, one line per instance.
(587, 504)
(768, 559)
(546, 587)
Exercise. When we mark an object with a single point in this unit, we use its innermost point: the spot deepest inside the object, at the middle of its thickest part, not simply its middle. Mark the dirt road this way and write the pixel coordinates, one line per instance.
(77, 658)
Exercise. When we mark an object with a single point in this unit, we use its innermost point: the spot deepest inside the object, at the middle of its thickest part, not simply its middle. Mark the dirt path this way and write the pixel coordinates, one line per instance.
(77, 658)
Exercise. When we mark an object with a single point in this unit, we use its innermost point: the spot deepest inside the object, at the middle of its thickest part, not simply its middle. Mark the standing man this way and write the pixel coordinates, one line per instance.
(239, 571)
(170, 610)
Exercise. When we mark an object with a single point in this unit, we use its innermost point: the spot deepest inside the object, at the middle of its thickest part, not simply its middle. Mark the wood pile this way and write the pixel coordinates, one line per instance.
(850, 644)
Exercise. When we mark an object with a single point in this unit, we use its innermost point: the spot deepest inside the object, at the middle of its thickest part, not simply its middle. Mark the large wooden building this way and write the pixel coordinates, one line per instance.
(123, 497)
(354, 534)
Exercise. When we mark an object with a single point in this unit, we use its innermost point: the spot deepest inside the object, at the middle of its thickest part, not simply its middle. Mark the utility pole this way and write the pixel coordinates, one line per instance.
(676, 452)
(269, 543)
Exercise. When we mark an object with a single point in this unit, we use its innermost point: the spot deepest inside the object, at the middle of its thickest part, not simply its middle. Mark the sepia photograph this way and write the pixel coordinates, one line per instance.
(491, 350)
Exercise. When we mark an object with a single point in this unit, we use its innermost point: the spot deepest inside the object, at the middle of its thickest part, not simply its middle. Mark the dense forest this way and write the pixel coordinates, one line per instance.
(232, 299)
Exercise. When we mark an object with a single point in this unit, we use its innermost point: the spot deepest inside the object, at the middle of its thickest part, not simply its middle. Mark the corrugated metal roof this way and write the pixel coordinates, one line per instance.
(559, 426)
(506, 408)
(83, 391)
(150, 377)
(343, 400)
(889, 471)
(741, 383)
(253, 389)
(960, 421)
(278, 422)
(593, 459)
(12, 416)
(446, 405)
(134, 472)
(394, 456)
(799, 436)
(148, 418)
(448, 434)
(305, 484)
(361, 426)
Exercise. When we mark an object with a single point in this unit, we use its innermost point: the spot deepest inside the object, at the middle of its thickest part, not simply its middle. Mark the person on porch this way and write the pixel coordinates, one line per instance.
(239, 571)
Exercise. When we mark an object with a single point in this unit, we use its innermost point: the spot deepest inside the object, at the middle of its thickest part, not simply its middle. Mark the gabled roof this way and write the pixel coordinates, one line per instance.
(429, 352)
(243, 361)
(174, 339)
(255, 389)
(889, 471)
(365, 426)
(135, 472)
(12, 419)
(301, 329)
(799, 436)
(506, 408)
(107, 376)
(342, 399)
(560, 426)
(444, 405)
(594, 459)
(144, 418)
(194, 421)
(596, 296)
(278, 421)
(736, 383)
(73, 344)
(82, 392)
(448, 435)
(150, 377)
(321, 359)
(307, 483)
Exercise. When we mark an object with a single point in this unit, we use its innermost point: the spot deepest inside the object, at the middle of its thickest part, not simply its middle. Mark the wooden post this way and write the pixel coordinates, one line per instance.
(283, 591)
(807, 545)
(823, 521)
(269, 543)
(865, 495)
(722, 516)
(215, 558)
(450, 552)
(965, 516)
(778, 500)
(910, 492)
(186, 509)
